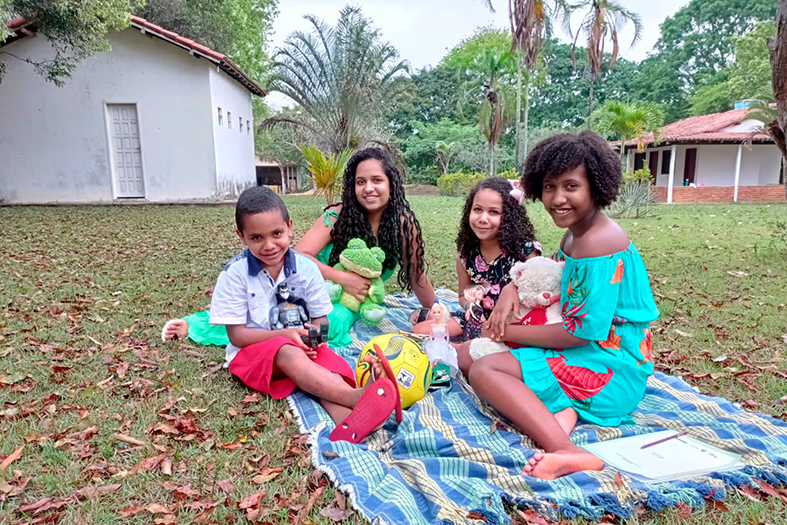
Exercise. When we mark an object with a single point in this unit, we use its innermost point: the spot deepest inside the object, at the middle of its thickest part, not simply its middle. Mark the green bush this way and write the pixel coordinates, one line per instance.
(428, 177)
(510, 174)
(458, 184)
(635, 195)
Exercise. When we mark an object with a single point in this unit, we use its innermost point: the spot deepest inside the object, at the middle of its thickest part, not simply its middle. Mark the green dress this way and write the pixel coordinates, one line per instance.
(341, 318)
(608, 301)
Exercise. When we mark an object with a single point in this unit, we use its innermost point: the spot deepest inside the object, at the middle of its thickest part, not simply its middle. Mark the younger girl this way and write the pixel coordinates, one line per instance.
(595, 364)
(494, 234)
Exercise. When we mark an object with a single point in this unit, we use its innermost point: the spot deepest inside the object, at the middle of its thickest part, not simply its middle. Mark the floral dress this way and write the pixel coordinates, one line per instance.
(608, 301)
(493, 277)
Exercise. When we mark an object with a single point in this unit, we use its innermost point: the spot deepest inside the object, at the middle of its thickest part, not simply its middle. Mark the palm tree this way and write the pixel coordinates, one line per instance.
(628, 121)
(602, 19)
(341, 78)
(326, 171)
(487, 72)
(529, 19)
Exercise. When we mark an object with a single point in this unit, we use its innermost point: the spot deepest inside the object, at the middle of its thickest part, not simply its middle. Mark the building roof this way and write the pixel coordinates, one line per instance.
(717, 128)
(21, 28)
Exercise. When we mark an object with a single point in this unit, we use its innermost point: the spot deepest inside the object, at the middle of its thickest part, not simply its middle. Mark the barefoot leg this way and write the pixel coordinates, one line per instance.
(314, 379)
(497, 379)
(567, 418)
(337, 412)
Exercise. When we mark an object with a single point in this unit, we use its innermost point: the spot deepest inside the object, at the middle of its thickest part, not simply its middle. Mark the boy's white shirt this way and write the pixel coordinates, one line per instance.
(245, 292)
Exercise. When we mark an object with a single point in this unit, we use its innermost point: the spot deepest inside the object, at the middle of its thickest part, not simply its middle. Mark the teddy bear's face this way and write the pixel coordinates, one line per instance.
(537, 281)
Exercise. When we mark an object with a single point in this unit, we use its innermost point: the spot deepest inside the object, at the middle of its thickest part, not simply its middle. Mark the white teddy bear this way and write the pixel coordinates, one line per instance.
(538, 283)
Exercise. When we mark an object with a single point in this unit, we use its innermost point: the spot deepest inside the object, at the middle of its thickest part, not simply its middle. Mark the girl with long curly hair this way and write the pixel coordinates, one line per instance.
(494, 234)
(373, 208)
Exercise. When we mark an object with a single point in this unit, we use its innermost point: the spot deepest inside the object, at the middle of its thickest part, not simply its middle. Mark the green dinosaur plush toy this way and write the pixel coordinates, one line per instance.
(366, 262)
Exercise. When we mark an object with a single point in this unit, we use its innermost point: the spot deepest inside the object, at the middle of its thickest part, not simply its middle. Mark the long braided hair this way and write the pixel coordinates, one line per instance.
(515, 227)
(398, 226)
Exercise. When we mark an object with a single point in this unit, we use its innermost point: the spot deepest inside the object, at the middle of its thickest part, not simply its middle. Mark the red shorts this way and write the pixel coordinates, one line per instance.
(254, 365)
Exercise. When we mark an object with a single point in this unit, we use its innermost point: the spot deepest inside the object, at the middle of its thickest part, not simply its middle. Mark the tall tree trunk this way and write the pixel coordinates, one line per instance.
(525, 130)
(283, 180)
(777, 48)
(518, 138)
(592, 93)
(491, 161)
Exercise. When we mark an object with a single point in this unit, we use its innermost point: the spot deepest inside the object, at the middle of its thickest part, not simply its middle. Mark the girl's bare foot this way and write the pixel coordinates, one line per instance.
(553, 465)
(567, 418)
(175, 329)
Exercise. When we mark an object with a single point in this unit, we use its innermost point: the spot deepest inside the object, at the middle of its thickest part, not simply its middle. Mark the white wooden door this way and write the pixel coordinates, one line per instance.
(126, 150)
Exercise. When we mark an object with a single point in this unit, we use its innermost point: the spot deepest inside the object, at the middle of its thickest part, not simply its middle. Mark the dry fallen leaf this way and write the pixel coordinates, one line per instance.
(330, 455)
(684, 511)
(16, 454)
(130, 511)
(226, 485)
(532, 517)
(158, 508)
(335, 514)
(91, 492)
(266, 474)
(130, 440)
(619, 480)
(683, 334)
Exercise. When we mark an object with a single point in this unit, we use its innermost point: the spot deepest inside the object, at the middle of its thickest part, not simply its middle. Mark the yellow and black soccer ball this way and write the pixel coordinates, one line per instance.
(409, 363)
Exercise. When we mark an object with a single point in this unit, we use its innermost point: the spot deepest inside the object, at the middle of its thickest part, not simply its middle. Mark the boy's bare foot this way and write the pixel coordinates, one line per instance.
(378, 370)
(567, 418)
(175, 329)
(561, 463)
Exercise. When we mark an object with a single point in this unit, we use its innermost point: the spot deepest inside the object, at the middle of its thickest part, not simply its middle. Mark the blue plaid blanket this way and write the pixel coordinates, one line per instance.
(449, 456)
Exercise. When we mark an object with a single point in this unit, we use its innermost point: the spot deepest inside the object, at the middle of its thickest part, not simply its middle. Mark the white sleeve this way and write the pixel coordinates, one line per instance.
(229, 304)
(318, 300)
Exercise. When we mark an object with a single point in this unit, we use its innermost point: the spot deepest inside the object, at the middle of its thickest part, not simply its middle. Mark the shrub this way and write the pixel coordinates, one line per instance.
(510, 174)
(428, 177)
(635, 195)
(458, 184)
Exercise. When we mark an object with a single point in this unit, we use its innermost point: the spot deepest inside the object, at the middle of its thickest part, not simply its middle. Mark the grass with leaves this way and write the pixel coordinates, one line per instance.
(117, 427)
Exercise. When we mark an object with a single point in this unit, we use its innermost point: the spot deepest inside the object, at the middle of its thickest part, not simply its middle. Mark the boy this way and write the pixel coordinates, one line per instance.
(275, 362)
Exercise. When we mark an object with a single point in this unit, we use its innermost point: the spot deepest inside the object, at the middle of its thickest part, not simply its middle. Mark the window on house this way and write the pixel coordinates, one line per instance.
(229, 119)
(221, 118)
(240, 124)
(248, 128)
(666, 158)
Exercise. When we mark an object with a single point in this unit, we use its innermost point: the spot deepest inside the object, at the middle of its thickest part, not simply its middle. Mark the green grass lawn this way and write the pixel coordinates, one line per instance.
(97, 400)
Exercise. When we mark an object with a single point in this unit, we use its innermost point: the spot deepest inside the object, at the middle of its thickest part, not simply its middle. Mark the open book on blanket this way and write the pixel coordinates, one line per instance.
(663, 456)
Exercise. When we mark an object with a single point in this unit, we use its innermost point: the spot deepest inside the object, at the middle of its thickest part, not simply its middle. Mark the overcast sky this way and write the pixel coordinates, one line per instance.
(424, 30)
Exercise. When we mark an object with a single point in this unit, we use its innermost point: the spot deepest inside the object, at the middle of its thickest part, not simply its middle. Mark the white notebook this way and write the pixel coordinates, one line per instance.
(653, 457)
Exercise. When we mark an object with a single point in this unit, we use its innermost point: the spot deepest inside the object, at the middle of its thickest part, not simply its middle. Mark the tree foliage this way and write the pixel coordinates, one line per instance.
(747, 77)
(75, 31)
(237, 28)
(341, 77)
(627, 121)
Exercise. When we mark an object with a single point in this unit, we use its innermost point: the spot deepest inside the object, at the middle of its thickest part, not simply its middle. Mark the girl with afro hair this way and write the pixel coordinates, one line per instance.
(494, 234)
(373, 208)
(593, 366)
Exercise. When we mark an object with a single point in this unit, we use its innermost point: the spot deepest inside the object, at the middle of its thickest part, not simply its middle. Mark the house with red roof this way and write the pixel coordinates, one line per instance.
(157, 118)
(723, 157)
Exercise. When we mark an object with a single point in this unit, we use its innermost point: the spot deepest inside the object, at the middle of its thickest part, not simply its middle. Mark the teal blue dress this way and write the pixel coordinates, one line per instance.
(608, 301)
(341, 316)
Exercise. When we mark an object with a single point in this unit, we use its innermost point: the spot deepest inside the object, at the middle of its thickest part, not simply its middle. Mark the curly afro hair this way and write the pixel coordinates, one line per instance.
(515, 226)
(399, 229)
(564, 152)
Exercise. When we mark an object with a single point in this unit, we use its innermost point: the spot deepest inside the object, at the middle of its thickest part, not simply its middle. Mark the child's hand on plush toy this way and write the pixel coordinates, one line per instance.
(356, 285)
(536, 283)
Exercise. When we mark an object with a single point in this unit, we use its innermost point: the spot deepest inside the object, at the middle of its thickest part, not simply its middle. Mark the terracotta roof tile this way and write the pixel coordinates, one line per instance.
(222, 61)
(706, 128)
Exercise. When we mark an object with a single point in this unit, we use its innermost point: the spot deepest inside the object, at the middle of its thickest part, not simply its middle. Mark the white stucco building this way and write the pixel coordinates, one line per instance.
(723, 157)
(158, 118)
